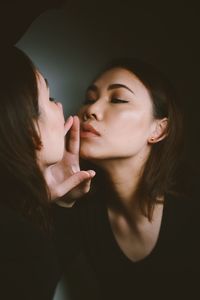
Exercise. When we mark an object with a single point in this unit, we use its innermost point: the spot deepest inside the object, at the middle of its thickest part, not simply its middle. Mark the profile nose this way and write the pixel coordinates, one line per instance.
(59, 104)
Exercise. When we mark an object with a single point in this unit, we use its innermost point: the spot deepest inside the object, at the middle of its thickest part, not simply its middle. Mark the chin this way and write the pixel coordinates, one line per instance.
(88, 155)
(94, 153)
(85, 155)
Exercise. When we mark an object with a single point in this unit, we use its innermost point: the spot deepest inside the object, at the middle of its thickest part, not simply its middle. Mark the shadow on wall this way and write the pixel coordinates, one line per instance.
(70, 45)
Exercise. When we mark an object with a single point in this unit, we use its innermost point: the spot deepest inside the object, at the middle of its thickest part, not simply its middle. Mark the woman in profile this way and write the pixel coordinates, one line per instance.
(138, 234)
(32, 146)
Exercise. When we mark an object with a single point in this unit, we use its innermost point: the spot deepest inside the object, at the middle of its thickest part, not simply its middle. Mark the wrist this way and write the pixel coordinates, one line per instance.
(65, 202)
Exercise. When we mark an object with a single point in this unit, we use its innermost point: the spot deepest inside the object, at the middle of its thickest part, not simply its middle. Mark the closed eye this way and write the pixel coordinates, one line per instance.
(115, 100)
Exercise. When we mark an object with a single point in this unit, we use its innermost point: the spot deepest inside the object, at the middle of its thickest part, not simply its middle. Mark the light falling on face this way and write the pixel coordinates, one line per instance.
(51, 125)
(118, 106)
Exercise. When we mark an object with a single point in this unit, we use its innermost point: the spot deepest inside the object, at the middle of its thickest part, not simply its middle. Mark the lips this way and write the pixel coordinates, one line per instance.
(89, 129)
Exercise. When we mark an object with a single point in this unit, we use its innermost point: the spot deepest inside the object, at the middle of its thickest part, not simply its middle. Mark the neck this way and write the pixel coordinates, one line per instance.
(123, 202)
(124, 175)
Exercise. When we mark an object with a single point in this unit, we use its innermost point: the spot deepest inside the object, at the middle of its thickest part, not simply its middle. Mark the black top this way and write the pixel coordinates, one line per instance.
(172, 268)
(29, 268)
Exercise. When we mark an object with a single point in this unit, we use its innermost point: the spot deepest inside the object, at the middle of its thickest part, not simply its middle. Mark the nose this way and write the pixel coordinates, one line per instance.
(59, 104)
(92, 111)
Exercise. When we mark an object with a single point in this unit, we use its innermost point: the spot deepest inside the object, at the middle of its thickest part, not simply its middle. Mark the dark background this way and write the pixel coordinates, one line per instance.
(70, 40)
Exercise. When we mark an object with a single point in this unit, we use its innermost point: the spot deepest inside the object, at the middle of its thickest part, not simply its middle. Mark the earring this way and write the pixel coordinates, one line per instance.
(152, 139)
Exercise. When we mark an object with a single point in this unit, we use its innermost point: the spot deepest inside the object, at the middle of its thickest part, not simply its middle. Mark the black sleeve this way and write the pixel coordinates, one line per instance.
(28, 264)
(75, 228)
(67, 233)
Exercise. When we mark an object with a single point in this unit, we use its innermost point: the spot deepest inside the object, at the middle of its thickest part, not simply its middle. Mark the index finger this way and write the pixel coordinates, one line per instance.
(68, 124)
(74, 138)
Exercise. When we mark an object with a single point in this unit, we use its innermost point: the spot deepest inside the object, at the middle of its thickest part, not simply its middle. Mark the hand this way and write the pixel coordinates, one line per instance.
(65, 180)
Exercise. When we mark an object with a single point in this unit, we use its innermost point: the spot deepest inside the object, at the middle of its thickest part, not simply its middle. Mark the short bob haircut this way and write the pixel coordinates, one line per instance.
(159, 172)
(23, 187)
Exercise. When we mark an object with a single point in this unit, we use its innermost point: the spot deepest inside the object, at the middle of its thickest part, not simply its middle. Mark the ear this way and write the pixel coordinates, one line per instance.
(159, 131)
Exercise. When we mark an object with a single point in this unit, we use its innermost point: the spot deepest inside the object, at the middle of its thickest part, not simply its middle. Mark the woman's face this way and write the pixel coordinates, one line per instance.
(119, 108)
(51, 125)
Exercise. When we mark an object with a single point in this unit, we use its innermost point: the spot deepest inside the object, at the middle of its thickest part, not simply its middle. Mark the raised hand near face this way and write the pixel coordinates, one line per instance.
(65, 180)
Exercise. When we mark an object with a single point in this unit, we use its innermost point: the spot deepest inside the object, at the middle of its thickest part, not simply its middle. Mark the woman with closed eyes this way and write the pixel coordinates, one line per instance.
(137, 233)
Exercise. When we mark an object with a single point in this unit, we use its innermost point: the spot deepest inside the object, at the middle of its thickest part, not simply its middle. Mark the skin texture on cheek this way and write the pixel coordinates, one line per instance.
(124, 135)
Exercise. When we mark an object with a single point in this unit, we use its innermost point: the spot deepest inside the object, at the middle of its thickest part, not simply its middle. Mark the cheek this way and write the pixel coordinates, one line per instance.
(124, 132)
(52, 129)
(55, 121)
(129, 131)
(127, 122)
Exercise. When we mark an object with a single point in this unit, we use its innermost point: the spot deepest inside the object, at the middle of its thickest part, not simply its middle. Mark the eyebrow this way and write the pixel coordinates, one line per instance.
(94, 88)
(118, 86)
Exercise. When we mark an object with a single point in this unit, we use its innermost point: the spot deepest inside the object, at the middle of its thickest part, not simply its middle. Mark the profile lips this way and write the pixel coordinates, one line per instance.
(89, 128)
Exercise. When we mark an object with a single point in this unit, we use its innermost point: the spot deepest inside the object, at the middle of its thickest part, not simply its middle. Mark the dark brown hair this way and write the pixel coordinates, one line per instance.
(158, 176)
(23, 187)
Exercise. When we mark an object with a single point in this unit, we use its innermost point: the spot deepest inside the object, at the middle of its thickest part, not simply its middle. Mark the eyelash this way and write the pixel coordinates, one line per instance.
(114, 100)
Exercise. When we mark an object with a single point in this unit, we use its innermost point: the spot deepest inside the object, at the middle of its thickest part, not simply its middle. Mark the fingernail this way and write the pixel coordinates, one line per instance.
(92, 173)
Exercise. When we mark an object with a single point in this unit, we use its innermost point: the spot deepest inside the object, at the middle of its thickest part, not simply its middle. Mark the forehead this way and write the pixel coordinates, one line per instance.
(119, 75)
(42, 91)
(40, 81)
(124, 77)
